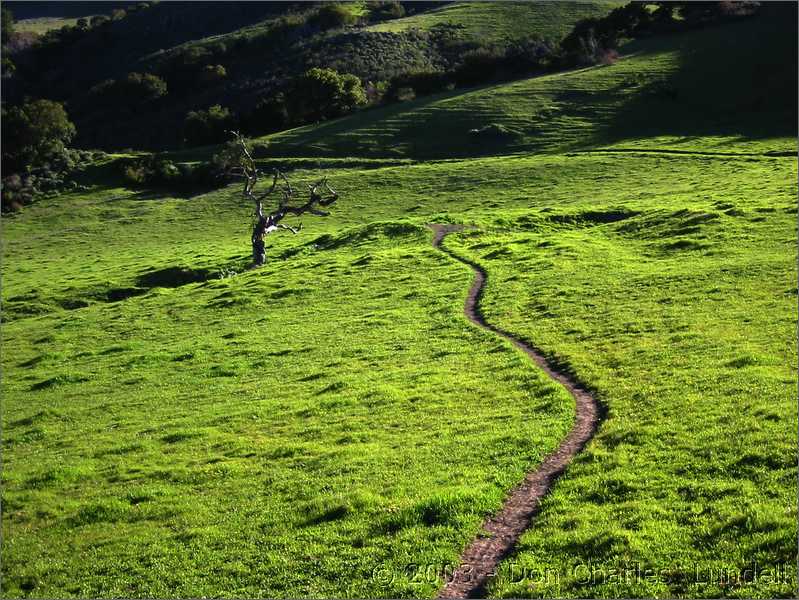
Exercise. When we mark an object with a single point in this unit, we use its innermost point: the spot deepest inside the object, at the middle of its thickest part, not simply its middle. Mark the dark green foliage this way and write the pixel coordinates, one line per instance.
(332, 16)
(6, 31)
(323, 94)
(583, 46)
(133, 90)
(33, 132)
(8, 67)
(160, 172)
(143, 87)
(382, 10)
(208, 126)
(701, 13)
(6, 26)
(422, 83)
(269, 115)
(54, 176)
(211, 74)
(252, 70)
(530, 55)
(591, 39)
(379, 56)
(255, 48)
(479, 65)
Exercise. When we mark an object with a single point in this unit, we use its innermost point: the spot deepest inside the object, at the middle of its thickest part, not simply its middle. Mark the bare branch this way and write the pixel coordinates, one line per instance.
(266, 224)
(271, 189)
(294, 230)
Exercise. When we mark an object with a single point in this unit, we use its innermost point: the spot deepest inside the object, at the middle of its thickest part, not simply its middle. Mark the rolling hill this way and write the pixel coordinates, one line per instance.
(502, 22)
(650, 92)
(176, 424)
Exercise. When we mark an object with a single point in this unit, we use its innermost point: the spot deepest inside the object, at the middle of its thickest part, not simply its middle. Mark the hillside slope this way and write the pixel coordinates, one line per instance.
(726, 82)
(503, 21)
(257, 48)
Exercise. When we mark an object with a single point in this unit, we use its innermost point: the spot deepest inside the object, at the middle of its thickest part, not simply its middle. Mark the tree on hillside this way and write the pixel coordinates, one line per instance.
(332, 15)
(269, 115)
(143, 87)
(268, 223)
(382, 10)
(324, 94)
(209, 126)
(132, 91)
(211, 74)
(33, 133)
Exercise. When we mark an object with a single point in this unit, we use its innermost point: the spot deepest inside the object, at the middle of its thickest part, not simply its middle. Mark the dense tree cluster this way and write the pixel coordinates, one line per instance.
(320, 94)
(35, 157)
(208, 126)
(591, 39)
(34, 132)
(133, 90)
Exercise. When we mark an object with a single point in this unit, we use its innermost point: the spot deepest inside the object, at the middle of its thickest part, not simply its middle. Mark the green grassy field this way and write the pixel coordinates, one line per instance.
(503, 21)
(45, 24)
(176, 425)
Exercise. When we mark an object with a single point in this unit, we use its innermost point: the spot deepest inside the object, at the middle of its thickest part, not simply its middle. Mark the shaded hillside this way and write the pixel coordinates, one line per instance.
(731, 80)
(251, 49)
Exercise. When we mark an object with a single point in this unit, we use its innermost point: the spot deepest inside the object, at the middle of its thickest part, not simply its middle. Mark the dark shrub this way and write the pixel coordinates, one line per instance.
(480, 65)
(209, 126)
(323, 94)
(269, 115)
(381, 10)
(33, 133)
(135, 89)
(332, 16)
(211, 74)
(423, 83)
(159, 172)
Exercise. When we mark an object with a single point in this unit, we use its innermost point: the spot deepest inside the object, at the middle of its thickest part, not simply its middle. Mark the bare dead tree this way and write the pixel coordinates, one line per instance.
(266, 224)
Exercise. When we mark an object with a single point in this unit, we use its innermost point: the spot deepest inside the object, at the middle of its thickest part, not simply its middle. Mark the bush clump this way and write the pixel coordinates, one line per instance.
(159, 171)
(210, 126)
(320, 94)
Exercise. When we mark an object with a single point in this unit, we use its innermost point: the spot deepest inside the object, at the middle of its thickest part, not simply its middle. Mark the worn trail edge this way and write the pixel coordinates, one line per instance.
(501, 532)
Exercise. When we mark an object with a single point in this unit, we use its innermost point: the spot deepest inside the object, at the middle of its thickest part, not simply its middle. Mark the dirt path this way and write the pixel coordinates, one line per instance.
(501, 531)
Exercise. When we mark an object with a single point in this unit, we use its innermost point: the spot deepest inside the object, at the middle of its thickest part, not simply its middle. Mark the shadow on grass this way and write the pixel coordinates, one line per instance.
(732, 79)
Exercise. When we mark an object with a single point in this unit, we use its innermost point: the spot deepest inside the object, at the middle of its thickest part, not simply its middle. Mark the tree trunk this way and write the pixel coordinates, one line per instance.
(258, 244)
(258, 253)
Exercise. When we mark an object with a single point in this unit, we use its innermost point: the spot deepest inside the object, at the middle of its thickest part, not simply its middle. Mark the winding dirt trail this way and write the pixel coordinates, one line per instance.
(501, 531)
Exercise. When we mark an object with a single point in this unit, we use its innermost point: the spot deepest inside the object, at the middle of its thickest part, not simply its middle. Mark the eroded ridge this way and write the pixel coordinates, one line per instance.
(501, 532)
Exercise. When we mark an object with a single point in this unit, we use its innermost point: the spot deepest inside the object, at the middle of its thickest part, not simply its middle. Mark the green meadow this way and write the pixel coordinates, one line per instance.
(175, 424)
(44, 24)
(502, 21)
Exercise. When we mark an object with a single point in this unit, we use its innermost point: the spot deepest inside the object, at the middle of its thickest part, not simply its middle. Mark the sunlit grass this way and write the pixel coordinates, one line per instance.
(502, 21)
(175, 425)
